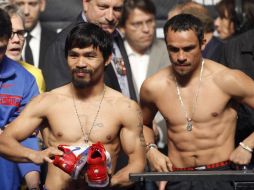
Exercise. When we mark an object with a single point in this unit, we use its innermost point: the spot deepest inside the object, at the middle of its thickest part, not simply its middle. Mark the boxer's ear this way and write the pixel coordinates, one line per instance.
(203, 44)
(107, 62)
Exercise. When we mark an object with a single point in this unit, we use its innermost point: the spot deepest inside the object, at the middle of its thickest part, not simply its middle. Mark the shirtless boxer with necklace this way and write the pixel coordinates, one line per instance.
(80, 113)
(207, 93)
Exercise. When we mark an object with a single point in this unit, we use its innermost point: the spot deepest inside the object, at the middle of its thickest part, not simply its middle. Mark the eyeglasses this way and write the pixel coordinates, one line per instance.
(20, 33)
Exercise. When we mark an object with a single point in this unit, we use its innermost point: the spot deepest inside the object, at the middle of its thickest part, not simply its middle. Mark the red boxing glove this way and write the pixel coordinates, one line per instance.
(73, 159)
(98, 163)
(67, 161)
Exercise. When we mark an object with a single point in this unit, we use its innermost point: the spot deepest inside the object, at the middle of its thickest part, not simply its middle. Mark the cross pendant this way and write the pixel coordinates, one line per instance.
(189, 124)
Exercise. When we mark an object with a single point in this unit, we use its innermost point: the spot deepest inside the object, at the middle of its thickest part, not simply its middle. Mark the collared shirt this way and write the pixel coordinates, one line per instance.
(139, 64)
(35, 44)
(83, 16)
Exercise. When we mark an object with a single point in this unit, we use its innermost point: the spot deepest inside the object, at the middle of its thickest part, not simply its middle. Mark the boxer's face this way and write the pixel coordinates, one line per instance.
(105, 13)
(184, 51)
(87, 66)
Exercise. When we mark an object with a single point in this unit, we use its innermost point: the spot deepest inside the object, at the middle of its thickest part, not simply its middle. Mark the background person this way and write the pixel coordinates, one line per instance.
(39, 35)
(17, 88)
(146, 53)
(235, 17)
(16, 43)
(31, 172)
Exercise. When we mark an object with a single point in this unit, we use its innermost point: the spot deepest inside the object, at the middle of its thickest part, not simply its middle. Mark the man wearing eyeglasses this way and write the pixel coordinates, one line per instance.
(146, 54)
(39, 36)
(17, 40)
(17, 88)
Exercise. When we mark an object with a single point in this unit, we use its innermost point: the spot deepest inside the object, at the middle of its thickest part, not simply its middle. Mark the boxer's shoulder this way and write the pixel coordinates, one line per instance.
(58, 95)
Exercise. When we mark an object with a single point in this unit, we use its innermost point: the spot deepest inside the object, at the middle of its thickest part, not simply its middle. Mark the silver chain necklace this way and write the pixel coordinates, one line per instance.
(195, 99)
(87, 134)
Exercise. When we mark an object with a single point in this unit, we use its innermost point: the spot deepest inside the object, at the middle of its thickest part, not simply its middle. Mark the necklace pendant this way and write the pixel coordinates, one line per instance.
(86, 139)
(189, 124)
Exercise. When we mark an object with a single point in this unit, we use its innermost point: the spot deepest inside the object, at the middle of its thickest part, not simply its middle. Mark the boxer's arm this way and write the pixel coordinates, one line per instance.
(243, 153)
(236, 85)
(21, 128)
(157, 160)
(149, 111)
(240, 87)
(132, 141)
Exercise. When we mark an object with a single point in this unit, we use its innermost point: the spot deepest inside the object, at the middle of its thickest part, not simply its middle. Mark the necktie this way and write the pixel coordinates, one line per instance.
(28, 52)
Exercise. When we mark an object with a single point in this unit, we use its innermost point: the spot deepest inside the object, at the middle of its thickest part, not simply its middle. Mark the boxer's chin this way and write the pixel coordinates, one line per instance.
(80, 84)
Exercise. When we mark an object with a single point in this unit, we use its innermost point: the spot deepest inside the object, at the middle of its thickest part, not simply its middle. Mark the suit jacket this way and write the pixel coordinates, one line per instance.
(158, 59)
(213, 49)
(56, 71)
(239, 53)
(47, 37)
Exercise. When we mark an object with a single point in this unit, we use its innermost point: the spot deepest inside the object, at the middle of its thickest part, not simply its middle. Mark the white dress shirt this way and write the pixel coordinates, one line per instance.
(139, 65)
(34, 44)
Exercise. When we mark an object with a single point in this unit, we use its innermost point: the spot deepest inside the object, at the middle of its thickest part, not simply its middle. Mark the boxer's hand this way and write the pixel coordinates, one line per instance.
(39, 157)
(158, 161)
(73, 160)
(240, 156)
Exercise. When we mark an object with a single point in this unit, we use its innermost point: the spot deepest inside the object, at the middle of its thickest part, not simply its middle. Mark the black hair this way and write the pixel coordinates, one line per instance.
(129, 5)
(5, 25)
(184, 22)
(86, 34)
(240, 12)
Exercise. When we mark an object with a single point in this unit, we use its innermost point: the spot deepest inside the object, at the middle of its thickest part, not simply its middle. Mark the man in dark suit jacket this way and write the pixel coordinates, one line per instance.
(41, 36)
(47, 37)
(107, 15)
